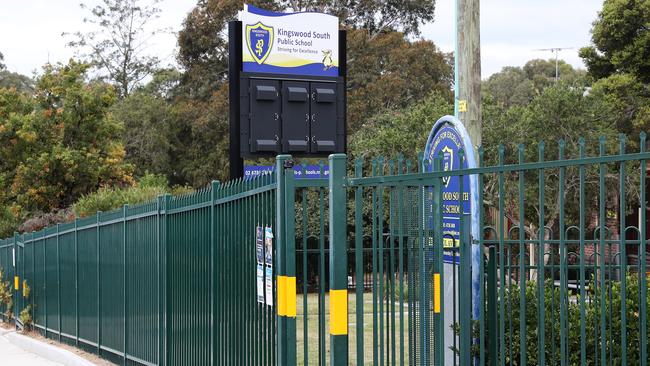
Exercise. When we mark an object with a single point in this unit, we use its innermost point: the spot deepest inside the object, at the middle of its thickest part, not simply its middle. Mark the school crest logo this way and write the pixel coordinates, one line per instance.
(447, 163)
(259, 39)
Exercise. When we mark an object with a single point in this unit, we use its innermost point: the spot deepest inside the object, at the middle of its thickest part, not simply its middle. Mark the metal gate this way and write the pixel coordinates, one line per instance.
(562, 277)
(369, 271)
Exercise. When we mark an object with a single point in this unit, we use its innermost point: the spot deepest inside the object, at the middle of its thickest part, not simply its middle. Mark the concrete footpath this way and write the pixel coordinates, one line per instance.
(17, 349)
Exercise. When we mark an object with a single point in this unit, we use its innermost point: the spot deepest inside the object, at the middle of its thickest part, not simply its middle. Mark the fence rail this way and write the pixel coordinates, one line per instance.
(162, 283)
(561, 274)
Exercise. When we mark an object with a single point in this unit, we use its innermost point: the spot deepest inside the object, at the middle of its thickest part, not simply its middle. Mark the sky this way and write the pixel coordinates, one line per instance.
(511, 30)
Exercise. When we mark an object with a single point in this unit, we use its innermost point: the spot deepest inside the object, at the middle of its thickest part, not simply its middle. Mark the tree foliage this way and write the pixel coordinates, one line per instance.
(203, 44)
(148, 118)
(107, 199)
(17, 81)
(520, 85)
(58, 143)
(620, 39)
(375, 16)
(401, 131)
(389, 72)
(560, 113)
(117, 46)
(624, 102)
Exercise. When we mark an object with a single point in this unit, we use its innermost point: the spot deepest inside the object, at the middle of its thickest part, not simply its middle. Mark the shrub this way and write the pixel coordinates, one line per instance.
(147, 189)
(26, 317)
(6, 296)
(26, 314)
(552, 324)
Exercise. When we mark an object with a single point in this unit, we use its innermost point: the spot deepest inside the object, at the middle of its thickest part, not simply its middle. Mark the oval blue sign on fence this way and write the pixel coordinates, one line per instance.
(448, 136)
(448, 143)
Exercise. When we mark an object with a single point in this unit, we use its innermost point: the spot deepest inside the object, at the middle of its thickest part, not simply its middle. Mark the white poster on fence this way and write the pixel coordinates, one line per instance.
(260, 283)
(269, 286)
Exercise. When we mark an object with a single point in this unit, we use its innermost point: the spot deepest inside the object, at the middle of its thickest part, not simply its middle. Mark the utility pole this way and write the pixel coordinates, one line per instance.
(467, 62)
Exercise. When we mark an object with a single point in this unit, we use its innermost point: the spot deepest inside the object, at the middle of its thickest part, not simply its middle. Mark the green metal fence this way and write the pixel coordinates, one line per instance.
(563, 278)
(164, 283)
(577, 289)
(358, 267)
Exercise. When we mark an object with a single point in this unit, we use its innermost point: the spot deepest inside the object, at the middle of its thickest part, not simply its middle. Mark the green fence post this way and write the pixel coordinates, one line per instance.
(358, 256)
(15, 284)
(213, 272)
(623, 253)
(492, 307)
(45, 280)
(160, 207)
(34, 281)
(438, 267)
(290, 264)
(338, 261)
(76, 278)
(159, 201)
(125, 338)
(280, 304)
(99, 298)
(165, 328)
(58, 278)
(642, 256)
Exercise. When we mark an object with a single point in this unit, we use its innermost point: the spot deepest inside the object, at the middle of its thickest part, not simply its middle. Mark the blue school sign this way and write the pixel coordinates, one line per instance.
(448, 136)
(447, 143)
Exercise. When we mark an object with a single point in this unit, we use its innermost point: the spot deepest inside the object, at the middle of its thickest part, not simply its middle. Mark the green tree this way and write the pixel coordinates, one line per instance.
(560, 112)
(148, 118)
(200, 152)
(203, 44)
(519, 85)
(375, 16)
(389, 72)
(619, 61)
(118, 44)
(2, 65)
(624, 102)
(15, 80)
(59, 143)
(620, 40)
(401, 131)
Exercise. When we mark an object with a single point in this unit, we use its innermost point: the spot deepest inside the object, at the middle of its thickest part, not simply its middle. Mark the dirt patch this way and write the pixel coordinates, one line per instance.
(36, 335)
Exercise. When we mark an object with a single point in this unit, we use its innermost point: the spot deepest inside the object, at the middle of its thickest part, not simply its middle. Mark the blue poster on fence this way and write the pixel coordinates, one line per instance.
(299, 171)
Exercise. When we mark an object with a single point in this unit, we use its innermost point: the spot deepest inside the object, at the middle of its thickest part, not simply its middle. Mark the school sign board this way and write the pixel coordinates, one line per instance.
(287, 85)
(290, 43)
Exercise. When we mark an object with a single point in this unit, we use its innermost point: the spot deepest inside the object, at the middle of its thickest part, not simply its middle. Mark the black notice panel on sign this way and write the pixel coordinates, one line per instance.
(295, 116)
(264, 115)
(292, 116)
(323, 117)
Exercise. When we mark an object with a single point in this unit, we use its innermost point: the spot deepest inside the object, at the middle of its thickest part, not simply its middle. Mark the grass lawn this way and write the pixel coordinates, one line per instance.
(367, 328)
